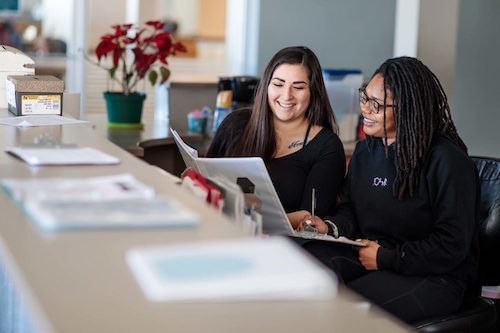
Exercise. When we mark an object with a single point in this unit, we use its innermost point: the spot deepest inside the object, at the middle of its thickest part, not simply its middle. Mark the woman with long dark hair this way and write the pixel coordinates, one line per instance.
(411, 196)
(292, 127)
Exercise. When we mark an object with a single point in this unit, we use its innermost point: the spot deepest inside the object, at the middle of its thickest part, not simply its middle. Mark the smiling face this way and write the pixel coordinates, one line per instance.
(373, 123)
(289, 93)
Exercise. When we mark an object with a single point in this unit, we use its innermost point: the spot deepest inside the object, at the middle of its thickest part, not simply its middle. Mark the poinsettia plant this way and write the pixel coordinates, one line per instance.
(137, 52)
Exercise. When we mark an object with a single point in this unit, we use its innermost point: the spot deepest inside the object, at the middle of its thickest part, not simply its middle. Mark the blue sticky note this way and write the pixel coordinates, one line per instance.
(191, 268)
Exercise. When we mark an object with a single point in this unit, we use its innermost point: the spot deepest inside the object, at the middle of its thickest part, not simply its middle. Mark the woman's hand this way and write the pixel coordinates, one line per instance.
(315, 222)
(368, 255)
(297, 217)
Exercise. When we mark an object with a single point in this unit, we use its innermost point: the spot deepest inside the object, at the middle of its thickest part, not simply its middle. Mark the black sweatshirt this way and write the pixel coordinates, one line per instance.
(431, 233)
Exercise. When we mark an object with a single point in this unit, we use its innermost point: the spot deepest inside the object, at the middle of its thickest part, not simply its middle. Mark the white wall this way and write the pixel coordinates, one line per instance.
(57, 21)
(437, 40)
(406, 28)
(242, 33)
(103, 17)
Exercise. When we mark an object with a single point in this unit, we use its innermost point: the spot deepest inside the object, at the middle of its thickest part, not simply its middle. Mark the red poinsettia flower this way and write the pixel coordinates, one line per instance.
(149, 47)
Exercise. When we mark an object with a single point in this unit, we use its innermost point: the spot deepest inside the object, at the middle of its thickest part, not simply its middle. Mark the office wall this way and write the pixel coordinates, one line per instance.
(212, 19)
(57, 23)
(344, 34)
(437, 40)
(102, 17)
(185, 12)
(476, 107)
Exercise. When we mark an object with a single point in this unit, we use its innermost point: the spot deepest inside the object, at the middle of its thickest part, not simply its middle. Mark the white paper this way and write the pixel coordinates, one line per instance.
(56, 215)
(245, 269)
(491, 292)
(189, 155)
(328, 238)
(39, 120)
(100, 188)
(234, 201)
(62, 156)
(55, 204)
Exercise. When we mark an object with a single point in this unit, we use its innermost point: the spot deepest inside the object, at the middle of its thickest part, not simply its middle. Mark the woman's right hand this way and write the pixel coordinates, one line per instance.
(315, 222)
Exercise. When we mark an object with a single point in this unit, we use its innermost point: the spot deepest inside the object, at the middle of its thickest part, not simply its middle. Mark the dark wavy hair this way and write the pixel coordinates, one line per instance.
(421, 112)
(259, 138)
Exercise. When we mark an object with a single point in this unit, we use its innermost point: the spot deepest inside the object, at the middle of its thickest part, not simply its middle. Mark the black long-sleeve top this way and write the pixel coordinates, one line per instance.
(320, 164)
(431, 233)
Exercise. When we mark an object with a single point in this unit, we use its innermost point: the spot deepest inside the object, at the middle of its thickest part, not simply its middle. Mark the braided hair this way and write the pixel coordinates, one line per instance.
(421, 112)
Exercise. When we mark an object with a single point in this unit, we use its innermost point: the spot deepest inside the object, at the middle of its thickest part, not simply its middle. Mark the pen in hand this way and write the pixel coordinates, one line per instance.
(313, 202)
(308, 223)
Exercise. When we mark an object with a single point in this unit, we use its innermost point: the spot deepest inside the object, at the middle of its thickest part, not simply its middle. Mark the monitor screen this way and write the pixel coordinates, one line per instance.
(10, 7)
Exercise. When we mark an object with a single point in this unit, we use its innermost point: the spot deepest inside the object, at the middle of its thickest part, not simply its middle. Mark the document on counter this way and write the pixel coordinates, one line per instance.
(119, 201)
(244, 269)
(39, 120)
(55, 215)
(62, 155)
(97, 188)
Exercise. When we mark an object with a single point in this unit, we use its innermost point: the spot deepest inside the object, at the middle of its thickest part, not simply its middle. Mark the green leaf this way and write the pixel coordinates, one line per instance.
(165, 74)
(112, 72)
(153, 76)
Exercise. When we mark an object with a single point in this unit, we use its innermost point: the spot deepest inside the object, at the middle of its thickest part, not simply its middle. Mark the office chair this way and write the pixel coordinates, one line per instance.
(478, 314)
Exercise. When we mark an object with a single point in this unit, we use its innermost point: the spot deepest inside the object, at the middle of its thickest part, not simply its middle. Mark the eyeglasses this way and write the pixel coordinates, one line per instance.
(373, 104)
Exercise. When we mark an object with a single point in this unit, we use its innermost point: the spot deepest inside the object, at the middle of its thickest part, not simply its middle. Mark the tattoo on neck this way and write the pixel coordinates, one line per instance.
(295, 144)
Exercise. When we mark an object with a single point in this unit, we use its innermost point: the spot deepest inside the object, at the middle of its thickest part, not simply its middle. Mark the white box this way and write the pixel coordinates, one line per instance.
(12, 62)
(342, 88)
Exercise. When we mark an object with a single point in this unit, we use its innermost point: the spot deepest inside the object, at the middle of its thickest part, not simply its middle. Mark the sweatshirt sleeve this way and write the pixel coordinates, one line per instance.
(451, 183)
(344, 217)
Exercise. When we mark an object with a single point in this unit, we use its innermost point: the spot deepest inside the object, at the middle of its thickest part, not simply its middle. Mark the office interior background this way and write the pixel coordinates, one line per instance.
(457, 39)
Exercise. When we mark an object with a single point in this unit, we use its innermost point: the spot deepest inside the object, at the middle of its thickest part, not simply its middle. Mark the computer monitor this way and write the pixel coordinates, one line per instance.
(10, 7)
(342, 87)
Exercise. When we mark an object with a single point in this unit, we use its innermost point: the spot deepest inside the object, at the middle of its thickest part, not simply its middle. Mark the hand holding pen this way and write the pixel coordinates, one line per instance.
(308, 225)
(312, 222)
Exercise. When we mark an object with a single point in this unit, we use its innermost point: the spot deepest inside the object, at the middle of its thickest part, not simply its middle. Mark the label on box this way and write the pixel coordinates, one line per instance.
(41, 104)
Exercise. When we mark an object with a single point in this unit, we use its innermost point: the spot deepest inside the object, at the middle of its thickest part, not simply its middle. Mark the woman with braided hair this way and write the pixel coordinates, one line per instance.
(410, 195)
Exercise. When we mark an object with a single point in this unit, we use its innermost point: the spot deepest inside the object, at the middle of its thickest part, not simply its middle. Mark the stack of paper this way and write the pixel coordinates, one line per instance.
(103, 188)
(247, 269)
(96, 202)
(62, 155)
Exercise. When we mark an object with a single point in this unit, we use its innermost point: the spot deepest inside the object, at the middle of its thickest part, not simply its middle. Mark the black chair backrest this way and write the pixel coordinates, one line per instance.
(489, 213)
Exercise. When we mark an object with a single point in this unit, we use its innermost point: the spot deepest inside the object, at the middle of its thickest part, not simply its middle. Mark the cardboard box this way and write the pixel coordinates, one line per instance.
(34, 94)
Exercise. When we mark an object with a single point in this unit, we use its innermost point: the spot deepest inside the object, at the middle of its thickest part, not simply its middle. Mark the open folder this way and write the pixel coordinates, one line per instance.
(275, 220)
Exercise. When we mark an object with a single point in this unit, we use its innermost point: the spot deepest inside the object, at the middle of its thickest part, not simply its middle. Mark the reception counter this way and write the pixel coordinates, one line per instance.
(79, 281)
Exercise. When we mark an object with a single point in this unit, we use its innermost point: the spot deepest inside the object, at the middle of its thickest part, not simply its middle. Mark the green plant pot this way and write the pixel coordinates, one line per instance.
(124, 111)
